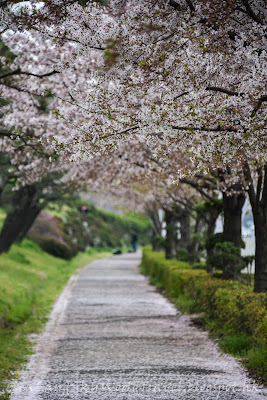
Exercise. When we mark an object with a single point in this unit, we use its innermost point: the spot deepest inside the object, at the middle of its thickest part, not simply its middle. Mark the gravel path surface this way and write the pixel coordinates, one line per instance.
(112, 336)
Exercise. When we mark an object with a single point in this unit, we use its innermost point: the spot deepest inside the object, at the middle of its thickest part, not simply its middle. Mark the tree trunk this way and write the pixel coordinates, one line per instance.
(232, 210)
(15, 221)
(212, 219)
(258, 200)
(155, 241)
(260, 279)
(185, 230)
(30, 216)
(153, 214)
(171, 235)
(199, 226)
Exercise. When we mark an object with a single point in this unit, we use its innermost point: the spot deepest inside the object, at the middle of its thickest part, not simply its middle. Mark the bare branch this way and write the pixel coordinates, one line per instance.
(180, 95)
(261, 100)
(119, 133)
(222, 90)
(177, 6)
(3, 3)
(10, 73)
(198, 187)
(174, 4)
(250, 12)
(206, 129)
(5, 132)
(19, 72)
(190, 5)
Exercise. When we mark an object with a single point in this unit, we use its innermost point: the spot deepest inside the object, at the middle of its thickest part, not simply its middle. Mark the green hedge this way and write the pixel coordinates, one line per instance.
(231, 305)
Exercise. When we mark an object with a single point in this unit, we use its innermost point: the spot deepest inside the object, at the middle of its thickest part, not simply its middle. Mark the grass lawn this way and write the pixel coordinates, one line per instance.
(30, 281)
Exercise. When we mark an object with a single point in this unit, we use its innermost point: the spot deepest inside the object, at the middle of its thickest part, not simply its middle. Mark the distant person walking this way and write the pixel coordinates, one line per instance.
(134, 241)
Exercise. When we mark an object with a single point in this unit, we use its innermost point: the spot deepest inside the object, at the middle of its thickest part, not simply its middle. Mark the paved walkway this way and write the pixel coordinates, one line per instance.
(112, 336)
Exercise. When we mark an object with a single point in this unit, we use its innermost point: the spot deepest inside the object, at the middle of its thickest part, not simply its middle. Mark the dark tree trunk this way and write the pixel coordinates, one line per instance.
(185, 230)
(171, 235)
(260, 221)
(15, 221)
(258, 200)
(212, 219)
(199, 226)
(210, 214)
(30, 215)
(155, 241)
(153, 213)
(2, 186)
(232, 210)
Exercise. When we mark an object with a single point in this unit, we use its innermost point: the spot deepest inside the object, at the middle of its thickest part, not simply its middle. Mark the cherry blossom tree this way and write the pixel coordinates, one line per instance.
(179, 76)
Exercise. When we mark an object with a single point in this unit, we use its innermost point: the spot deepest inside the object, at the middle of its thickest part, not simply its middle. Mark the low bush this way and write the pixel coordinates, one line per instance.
(236, 344)
(182, 255)
(199, 265)
(56, 247)
(235, 310)
(212, 240)
(227, 258)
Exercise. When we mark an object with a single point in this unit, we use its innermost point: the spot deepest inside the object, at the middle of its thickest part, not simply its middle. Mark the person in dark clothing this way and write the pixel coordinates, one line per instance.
(134, 241)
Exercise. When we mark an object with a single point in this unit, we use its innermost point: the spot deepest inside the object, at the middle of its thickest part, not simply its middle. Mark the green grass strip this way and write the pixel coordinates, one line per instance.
(30, 281)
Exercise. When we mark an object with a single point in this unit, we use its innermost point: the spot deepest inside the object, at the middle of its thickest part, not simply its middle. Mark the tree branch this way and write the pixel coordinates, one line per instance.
(250, 12)
(261, 100)
(174, 4)
(222, 90)
(190, 5)
(19, 72)
(5, 132)
(177, 6)
(207, 129)
(196, 186)
(3, 3)
(180, 95)
(119, 133)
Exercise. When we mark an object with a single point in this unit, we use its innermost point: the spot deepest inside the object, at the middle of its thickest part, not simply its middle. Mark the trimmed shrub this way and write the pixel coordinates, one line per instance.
(199, 265)
(182, 255)
(233, 305)
(213, 239)
(56, 247)
(228, 258)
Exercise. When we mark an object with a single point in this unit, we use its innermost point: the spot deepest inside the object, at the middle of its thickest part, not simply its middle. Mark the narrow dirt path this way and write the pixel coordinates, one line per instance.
(112, 336)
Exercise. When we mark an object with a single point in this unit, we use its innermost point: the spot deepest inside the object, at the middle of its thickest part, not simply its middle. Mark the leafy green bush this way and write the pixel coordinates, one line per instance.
(228, 258)
(236, 344)
(182, 255)
(199, 265)
(56, 247)
(256, 362)
(212, 240)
